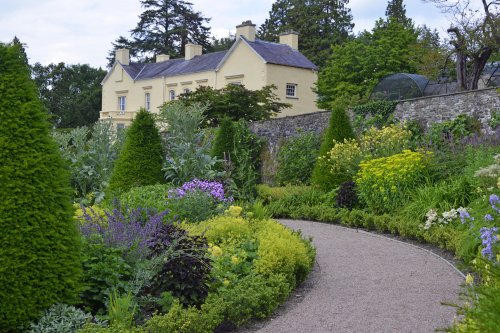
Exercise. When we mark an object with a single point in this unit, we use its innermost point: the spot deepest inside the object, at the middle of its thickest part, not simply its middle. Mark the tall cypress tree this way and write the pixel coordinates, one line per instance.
(39, 253)
(141, 159)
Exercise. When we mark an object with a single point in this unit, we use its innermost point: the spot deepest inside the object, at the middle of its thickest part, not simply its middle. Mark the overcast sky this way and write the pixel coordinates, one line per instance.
(81, 31)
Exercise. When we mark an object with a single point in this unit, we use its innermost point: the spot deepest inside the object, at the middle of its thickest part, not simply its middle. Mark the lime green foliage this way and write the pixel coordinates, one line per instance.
(385, 183)
(140, 161)
(148, 197)
(494, 122)
(281, 252)
(378, 114)
(339, 129)
(40, 255)
(342, 161)
(268, 194)
(296, 159)
(224, 228)
(188, 320)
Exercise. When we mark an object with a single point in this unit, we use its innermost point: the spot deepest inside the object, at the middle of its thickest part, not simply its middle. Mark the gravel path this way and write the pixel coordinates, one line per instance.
(363, 282)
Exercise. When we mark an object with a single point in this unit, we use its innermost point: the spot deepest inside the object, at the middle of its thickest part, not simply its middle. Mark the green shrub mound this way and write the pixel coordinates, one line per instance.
(339, 128)
(140, 162)
(296, 159)
(39, 255)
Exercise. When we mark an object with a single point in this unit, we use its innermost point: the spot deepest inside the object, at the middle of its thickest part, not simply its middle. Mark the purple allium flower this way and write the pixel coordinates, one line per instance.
(488, 237)
(488, 217)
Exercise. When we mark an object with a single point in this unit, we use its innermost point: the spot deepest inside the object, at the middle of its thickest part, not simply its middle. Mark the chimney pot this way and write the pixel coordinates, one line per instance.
(192, 50)
(123, 56)
(247, 30)
(162, 57)
(290, 38)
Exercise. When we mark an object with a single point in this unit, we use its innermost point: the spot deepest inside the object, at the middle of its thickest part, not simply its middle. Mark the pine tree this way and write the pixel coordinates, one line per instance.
(165, 27)
(339, 128)
(396, 10)
(141, 159)
(320, 24)
(39, 254)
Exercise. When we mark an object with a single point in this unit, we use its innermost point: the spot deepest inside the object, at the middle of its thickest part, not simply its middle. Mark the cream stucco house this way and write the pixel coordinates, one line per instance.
(254, 63)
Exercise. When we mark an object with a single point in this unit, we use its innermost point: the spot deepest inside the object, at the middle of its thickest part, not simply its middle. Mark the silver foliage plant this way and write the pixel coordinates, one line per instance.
(187, 145)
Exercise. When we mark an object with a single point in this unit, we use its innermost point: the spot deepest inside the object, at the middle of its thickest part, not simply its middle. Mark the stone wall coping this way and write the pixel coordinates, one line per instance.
(446, 95)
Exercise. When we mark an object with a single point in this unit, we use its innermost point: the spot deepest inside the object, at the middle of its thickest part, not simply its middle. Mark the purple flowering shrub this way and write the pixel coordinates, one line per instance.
(197, 200)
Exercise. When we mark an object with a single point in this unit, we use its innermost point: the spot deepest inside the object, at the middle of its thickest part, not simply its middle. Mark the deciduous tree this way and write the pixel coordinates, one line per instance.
(475, 36)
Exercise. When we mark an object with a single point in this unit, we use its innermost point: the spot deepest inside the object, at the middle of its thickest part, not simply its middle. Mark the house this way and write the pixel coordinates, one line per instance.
(254, 63)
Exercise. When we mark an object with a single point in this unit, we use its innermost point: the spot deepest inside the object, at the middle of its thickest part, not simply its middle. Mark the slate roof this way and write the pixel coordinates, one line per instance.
(273, 53)
(281, 54)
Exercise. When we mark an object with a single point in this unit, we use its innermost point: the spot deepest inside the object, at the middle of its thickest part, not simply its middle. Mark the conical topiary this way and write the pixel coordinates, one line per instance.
(339, 128)
(141, 159)
(39, 253)
(223, 145)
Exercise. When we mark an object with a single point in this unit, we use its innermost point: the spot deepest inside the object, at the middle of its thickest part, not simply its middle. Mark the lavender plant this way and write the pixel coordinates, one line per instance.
(128, 231)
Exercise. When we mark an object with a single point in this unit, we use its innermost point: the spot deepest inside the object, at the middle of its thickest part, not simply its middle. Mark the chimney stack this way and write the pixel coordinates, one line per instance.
(122, 56)
(192, 50)
(247, 30)
(162, 57)
(290, 38)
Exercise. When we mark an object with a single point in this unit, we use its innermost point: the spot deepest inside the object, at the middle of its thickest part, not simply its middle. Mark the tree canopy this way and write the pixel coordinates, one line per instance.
(475, 38)
(320, 24)
(71, 93)
(164, 27)
(235, 102)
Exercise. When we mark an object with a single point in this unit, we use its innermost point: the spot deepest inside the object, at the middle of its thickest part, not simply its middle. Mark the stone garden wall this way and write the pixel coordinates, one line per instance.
(480, 104)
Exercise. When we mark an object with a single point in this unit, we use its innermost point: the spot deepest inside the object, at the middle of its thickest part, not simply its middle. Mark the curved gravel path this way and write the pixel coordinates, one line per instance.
(363, 282)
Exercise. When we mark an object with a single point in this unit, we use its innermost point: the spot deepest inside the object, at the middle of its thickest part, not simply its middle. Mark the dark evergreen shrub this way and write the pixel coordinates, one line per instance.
(339, 128)
(40, 260)
(223, 144)
(186, 268)
(140, 162)
(346, 196)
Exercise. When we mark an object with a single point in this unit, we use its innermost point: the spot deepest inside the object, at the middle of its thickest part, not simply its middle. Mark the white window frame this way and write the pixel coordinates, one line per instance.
(291, 90)
(186, 91)
(122, 104)
(147, 102)
(171, 94)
